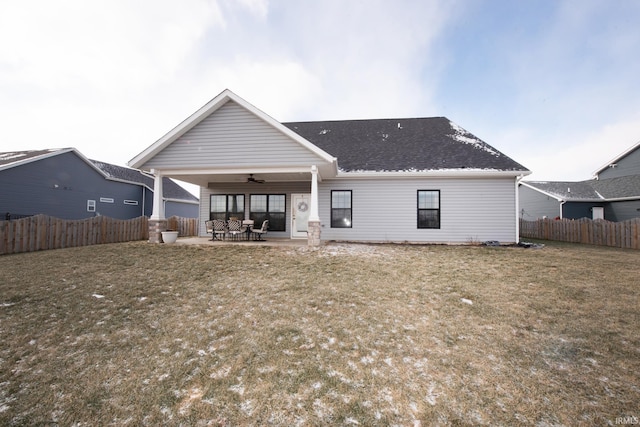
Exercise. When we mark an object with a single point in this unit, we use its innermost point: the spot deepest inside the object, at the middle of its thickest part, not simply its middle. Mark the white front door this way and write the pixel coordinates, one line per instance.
(300, 208)
(597, 212)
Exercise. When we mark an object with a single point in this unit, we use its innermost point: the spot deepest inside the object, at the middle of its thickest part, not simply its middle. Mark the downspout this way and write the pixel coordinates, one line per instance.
(562, 209)
(517, 209)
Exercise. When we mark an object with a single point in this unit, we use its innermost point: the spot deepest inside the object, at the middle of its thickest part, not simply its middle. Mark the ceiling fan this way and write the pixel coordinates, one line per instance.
(252, 179)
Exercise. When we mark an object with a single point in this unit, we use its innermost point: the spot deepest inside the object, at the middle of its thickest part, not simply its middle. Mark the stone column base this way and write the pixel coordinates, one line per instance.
(156, 227)
(313, 233)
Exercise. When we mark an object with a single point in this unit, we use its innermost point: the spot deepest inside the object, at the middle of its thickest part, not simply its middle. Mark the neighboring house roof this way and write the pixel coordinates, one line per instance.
(13, 158)
(407, 145)
(623, 187)
(626, 187)
(171, 190)
(565, 190)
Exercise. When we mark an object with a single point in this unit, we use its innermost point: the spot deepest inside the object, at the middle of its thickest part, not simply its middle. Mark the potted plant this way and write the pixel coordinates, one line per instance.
(169, 236)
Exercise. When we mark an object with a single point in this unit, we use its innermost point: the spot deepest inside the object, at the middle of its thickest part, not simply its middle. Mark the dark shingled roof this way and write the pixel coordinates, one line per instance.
(603, 189)
(170, 189)
(618, 188)
(10, 157)
(566, 190)
(408, 144)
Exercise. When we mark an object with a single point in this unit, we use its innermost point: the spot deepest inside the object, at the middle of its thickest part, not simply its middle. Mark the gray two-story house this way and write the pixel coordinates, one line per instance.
(613, 193)
(63, 183)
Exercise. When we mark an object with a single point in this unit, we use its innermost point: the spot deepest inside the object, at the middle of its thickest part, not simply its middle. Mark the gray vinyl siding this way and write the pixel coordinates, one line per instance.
(184, 210)
(472, 210)
(232, 136)
(628, 165)
(622, 211)
(60, 186)
(286, 188)
(534, 204)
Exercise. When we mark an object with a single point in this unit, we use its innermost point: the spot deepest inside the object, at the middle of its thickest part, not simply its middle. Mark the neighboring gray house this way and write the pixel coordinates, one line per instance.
(65, 184)
(613, 193)
(390, 180)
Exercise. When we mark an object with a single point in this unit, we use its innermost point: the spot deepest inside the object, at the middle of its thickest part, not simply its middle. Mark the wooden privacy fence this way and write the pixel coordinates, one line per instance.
(41, 232)
(184, 226)
(624, 234)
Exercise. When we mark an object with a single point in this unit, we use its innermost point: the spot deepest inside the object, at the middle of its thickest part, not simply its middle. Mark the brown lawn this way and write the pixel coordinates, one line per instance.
(143, 334)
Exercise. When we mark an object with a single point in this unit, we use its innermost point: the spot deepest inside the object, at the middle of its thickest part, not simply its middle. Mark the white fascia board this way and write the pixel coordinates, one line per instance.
(235, 170)
(546, 193)
(187, 202)
(52, 152)
(213, 105)
(621, 199)
(615, 159)
(453, 173)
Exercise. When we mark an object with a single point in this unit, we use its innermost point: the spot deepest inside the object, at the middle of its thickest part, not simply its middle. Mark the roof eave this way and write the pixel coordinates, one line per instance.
(442, 173)
(615, 159)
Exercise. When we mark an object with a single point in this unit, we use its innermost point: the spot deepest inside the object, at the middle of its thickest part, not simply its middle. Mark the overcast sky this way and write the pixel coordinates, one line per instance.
(554, 84)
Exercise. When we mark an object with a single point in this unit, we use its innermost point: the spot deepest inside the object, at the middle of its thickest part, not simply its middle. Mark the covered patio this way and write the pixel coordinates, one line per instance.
(247, 165)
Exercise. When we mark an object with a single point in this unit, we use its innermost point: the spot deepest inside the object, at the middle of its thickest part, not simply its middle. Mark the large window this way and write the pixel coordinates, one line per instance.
(225, 206)
(428, 208)
(268, 207)
(341, 209)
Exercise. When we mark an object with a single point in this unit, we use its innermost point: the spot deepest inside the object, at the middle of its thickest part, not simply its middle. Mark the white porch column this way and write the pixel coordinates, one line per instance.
(158, 206)
(314, 227)
(157, 221)
(313, 214)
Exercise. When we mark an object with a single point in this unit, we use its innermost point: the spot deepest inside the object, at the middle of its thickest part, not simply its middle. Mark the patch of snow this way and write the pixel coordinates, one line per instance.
(367, 360)
(11, 156)
(7, 304)
(98, 296)
(237, 388)
(461, 135)
(466, 301)
(220, 373)
(431, 396)
(247, 407)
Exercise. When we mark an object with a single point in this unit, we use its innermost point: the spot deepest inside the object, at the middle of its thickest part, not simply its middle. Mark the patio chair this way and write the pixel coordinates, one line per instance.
(209, 227)
(234, 228)
(219, 229)
(259, 232)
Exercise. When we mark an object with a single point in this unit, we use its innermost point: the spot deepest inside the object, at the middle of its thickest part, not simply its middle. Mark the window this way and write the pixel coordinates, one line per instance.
(106, 200)
(131, 202)
(224, 206)
(91, 205)
(341, 209)
(268, 207)
(428, 208)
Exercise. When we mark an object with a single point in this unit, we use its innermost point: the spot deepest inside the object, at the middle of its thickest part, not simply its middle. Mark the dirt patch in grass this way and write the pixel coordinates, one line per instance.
(141, 334)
